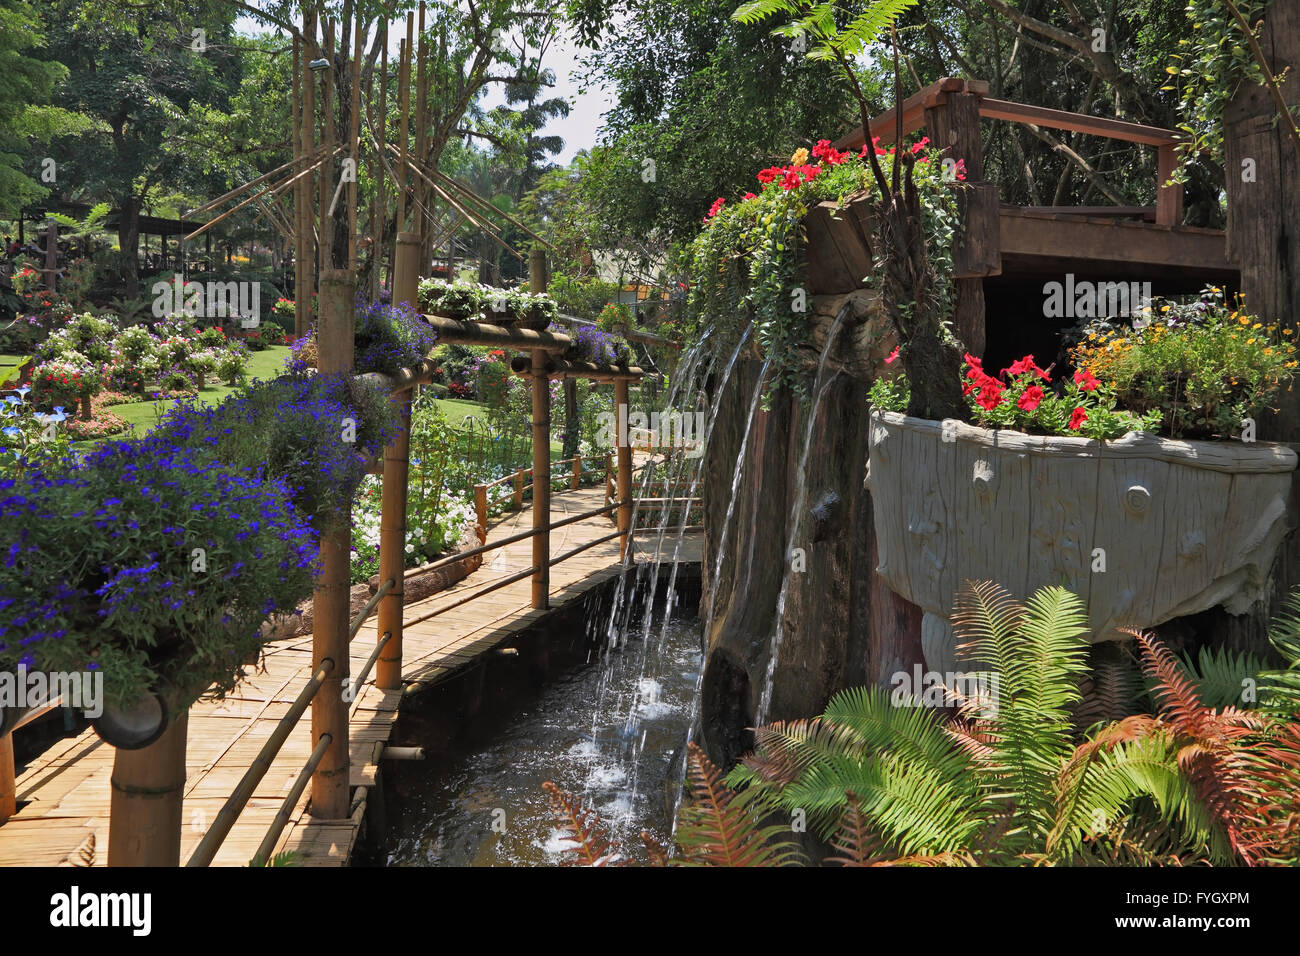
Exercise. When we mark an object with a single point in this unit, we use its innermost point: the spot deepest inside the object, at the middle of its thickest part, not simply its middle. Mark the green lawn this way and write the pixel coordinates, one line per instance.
(144, 415)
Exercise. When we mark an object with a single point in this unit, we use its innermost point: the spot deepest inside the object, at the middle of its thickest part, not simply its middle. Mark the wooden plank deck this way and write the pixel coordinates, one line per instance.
(66, 789)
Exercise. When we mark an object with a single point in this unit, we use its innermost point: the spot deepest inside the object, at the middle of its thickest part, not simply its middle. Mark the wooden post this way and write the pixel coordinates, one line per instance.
(517, 501)
(575, 481)
(1169, 199)
(354, 144)
(953, 122)
(624, 466)
(537, 282)
(8, 786)
(480, 505)
(392, 548)
(307, 264)
(146, 808)
(329, 711)
(541, 481)
(325, 227)
(609, 477)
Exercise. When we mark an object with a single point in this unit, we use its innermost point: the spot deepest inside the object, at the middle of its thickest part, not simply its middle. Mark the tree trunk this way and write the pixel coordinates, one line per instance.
(128, 240)
(1264, 242)
(571, 431)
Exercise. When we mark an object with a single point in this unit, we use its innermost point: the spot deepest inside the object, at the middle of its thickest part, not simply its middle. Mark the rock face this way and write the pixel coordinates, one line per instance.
(1143, 529)
(826, 632)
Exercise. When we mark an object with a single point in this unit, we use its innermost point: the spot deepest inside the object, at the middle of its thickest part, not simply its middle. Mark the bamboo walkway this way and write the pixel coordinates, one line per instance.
(66, 790)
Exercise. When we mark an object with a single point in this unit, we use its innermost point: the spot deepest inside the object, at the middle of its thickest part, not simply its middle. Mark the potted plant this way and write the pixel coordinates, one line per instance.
(1135, 484)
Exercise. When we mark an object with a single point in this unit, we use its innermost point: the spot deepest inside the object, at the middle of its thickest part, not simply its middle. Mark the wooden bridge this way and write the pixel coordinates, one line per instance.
(64, 794)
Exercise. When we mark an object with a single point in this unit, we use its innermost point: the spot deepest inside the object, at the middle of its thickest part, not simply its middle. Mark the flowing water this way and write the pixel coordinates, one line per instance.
(482, 804)
(796, 516)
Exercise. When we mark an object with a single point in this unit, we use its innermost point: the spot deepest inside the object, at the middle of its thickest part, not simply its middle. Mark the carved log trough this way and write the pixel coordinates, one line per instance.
(1143, 529)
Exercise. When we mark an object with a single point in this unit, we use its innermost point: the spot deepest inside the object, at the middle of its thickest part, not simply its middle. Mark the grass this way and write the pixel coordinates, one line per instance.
(144, 415)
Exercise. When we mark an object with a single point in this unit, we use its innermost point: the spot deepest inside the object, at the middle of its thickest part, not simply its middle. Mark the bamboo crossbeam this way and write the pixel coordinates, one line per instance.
(206, 851)
(457, 332)
(558, 368)
(267, 846)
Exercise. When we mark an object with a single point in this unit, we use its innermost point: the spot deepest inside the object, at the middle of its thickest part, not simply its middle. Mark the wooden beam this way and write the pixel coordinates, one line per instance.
(1169, 196)
(8, 787)
(1077, 122)
(1026, 234)
(885, 125)
(559, 368)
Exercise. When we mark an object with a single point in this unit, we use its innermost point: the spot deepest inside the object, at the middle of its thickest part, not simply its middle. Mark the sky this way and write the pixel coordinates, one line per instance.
(580, 129)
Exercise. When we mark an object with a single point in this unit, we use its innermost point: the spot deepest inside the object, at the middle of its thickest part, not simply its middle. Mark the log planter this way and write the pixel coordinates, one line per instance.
(1143, 529)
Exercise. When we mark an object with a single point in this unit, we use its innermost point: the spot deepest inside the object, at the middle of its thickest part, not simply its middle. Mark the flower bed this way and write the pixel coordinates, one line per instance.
(1145, 527)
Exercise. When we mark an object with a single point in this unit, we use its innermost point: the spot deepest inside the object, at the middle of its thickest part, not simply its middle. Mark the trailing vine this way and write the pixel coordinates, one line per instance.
(747, 264)
(1211, 67)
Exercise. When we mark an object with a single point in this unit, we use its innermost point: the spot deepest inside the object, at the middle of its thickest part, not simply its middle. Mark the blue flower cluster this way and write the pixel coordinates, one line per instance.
(163, 556)
(390, 338)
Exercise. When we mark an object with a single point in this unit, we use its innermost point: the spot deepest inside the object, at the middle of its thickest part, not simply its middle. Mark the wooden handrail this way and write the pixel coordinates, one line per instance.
(267, 846)
(207, 849)
(1077, 122)
(370, 606)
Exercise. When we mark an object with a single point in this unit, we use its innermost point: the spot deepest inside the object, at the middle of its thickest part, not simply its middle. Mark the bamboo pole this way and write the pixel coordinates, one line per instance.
(354, 144)
(307, 265)
(269, 192)
(283, 167)
(146, 805)
(267, 847)
(8, 779)
(421, 127)
(380, 208)
(537, 281)
(392, 545)
(329, 712)
(326, 183)
(624, 465)
(403, 110)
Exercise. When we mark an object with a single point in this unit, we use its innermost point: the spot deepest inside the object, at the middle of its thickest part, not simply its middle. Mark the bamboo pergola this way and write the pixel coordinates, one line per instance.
(148, 783)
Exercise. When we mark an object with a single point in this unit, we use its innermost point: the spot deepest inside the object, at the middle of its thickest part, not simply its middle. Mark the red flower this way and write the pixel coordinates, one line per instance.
(1086, 380)
(990, 395)
(974, 361)
(893, 356)
(790, 180)
(1030, 399)
(716, 207)
(1025, 366)
(917, 147)
(959, 170)
(1077, 418)
(766, 176)
(750, 196)
(822, 148)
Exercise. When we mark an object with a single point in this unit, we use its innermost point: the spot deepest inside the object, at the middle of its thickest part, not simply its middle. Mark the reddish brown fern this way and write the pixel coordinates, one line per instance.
(591, 843)
(1209, 746)
(718, 828)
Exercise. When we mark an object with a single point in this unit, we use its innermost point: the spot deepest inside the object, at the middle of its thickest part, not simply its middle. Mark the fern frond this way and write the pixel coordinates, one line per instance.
(591, 844)
(655, 850)
(867, 27)
(717, 828)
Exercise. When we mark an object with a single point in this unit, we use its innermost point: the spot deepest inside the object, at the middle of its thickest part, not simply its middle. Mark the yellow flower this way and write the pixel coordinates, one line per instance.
(1287, 332)
(800, 157)
(1244, 320)
(1257, 325)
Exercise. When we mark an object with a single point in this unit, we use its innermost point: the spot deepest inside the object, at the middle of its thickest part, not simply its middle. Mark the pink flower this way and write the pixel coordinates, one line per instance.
(893, 357)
